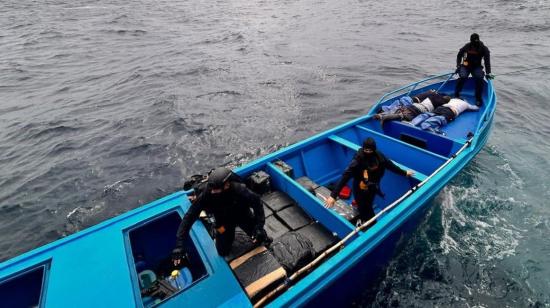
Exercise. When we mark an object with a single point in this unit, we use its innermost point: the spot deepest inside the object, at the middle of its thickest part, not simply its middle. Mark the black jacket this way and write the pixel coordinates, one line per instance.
(228, 208)
(376, 166)
(474, 56)
(436, 98)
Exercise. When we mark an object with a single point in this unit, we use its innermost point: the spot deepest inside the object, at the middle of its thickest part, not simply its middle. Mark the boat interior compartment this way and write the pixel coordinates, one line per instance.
(152, 244)
(418, 159)
(24, 289)
(324, 162)
(434, 143)
(300, 233)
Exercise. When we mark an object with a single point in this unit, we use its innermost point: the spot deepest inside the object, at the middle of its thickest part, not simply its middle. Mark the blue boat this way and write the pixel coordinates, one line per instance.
(110, 264)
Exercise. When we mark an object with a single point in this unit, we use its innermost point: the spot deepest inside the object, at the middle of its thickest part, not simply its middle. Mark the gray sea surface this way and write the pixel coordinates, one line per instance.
(106, 105)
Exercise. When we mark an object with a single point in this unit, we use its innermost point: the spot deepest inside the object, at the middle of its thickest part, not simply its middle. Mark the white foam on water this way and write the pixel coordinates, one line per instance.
(484, 231)
(516, 180)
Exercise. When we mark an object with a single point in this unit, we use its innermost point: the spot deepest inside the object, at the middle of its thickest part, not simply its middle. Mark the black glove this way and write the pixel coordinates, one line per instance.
(260, 237)
(457, 70)
(490, 76)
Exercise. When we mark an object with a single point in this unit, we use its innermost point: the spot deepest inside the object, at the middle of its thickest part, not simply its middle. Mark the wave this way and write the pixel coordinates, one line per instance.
(220, 93)
(134, 32)
(473, 225)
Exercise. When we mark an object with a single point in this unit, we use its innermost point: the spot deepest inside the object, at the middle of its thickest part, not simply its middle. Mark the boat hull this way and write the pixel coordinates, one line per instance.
(114, 248)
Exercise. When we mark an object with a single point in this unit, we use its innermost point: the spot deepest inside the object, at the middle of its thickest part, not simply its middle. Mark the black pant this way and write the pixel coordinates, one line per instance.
(364, 200)
(224, 241)
(446, 112)
(477, 73)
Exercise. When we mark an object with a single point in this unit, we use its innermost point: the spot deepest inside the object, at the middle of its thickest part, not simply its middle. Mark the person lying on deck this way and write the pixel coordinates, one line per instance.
(367, 169)
(442, 115)
(231, 203)
(424, 102)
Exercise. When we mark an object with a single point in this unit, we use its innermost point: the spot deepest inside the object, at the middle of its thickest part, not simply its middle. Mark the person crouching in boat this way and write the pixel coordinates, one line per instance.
(367, 169)
(421, 103)
(231, 203)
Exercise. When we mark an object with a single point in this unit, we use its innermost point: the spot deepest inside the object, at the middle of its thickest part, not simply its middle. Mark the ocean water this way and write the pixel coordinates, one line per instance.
(108, 104)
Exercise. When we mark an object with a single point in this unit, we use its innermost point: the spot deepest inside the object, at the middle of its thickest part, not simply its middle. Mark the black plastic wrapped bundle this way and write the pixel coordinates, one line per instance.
(307, 183)
(293, 251)
(284, 167)
(241, 245)
(258, 272)
(320, 237)
(274, 227)
(294, 217)
(259, 182)
(277, 200)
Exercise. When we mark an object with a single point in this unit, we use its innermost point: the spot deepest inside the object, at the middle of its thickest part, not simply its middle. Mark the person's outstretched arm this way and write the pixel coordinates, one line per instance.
(393, 167)
(487, 60)
(346, 176)
(190, 217)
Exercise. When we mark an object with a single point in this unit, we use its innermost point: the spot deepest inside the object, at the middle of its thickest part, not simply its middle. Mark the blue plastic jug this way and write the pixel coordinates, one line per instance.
(180, 279)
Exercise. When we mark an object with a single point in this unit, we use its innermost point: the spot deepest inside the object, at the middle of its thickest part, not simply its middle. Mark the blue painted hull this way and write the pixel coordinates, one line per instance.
(101, 266)
(363, 266)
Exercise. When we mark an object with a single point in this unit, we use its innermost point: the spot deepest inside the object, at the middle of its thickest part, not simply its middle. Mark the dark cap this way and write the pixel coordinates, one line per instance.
(474, 37)
(369, 143)
(218, 177)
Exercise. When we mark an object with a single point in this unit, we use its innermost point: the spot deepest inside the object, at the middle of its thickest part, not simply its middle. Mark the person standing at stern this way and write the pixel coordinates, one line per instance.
(468, 61)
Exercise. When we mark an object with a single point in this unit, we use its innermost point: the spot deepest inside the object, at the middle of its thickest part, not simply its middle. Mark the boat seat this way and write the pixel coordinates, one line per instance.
(258, 272)
(417, 175)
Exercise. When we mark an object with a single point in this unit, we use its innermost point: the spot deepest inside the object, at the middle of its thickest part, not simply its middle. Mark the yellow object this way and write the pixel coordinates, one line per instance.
(175, 273)
(363, 184)
(366, 174)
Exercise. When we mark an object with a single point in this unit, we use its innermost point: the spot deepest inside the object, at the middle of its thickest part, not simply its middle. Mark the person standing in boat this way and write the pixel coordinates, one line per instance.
(231, 203)
(468, 61)
(367, 169)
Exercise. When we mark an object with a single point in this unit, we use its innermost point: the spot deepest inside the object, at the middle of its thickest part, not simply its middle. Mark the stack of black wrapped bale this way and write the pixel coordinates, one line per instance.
(286, 214)
(258, 272)
(274, 227)
(275, 201)
(297, 239)
(320, 238)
